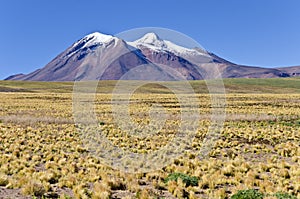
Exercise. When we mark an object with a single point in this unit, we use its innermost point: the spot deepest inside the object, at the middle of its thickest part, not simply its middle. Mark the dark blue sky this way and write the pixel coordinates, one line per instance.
(257, 32)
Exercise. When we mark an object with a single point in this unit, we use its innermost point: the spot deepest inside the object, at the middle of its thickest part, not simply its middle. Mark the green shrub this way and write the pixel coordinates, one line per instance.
(248, 194)
(280, 195)
(188, 180)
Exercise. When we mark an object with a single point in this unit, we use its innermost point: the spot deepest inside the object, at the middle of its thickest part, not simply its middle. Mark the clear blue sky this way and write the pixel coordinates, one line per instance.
(257, 32)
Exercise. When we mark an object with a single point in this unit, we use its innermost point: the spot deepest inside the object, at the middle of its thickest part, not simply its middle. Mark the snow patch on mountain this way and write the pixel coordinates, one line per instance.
(151, 39)
(155, 43)
(90, 41)
(94, 38)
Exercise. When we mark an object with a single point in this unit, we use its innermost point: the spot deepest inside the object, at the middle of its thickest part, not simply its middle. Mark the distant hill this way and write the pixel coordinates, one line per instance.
(105, 57)
(293, 71)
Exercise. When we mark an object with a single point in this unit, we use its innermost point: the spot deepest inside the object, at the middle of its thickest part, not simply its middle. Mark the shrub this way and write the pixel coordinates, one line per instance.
(188, 180)
(34, 189)
(280, 195)
(100, 191)
(247, 194)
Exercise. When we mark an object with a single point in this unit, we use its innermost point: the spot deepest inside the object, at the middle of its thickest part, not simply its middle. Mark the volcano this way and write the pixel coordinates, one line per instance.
(99, 56)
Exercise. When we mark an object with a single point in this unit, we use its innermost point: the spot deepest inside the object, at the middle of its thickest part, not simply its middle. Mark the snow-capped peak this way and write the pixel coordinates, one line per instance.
(154, 42)
(94, 38)
(149, 38)
(98, 37)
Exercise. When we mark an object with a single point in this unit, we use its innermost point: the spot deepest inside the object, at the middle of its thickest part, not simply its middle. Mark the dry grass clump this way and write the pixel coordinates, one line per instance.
(3, 180)
(101, 191)
(34, 188)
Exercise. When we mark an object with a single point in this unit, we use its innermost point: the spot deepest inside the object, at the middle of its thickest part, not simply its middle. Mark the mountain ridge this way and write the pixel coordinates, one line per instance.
(99, 56)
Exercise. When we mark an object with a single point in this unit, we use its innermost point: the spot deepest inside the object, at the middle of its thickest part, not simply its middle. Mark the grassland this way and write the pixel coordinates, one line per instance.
(280, 85)
(42, 153)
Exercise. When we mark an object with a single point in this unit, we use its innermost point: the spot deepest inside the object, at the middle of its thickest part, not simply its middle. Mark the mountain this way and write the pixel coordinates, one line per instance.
(292, 71)
(104, 57)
